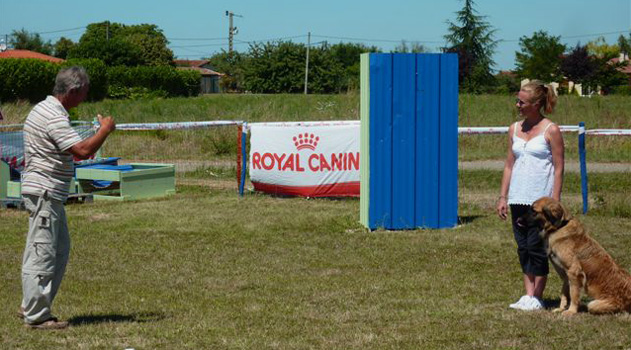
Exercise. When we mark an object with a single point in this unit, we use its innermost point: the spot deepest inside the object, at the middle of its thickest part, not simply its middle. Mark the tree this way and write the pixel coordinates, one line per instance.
(232, 66)
(578, 66)
(119, 44)
(275, 67)
(624, 44)
(414, 47)
(152, 43)
(601, 49)
(472, 39)
(62, 47)
(326, 73)
(608, 77)
(23, 40)
(114, 52)
(348, 56)
(540, 57)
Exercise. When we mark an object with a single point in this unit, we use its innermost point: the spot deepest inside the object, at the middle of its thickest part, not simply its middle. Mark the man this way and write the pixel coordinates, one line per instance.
(49, 146)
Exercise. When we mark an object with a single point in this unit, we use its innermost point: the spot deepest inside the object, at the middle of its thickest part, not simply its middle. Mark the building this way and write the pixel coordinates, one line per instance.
(209, 83)
(626, 68)
(29, 54)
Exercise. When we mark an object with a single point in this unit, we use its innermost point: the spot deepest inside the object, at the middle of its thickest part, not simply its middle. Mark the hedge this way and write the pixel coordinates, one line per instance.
(158, 81)
(26, 79)
(33, 80)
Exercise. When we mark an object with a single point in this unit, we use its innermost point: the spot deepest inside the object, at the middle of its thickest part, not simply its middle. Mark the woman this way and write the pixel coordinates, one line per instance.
(533, 169)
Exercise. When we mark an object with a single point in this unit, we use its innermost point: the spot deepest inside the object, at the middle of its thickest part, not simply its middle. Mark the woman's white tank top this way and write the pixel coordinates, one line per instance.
(533, 170)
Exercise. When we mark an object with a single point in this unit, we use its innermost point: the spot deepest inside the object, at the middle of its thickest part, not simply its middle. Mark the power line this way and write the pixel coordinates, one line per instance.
(200, 45)
(273, 39)
(571, 36)
(377, 40)
(196, 39)
(62, 30)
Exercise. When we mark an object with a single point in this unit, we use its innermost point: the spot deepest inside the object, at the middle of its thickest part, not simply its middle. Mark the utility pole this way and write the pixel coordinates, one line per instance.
(232, 30)
(307, 63)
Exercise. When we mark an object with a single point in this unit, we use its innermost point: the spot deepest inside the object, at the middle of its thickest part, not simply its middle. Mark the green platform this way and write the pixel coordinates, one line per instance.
(4, 179)
(146, 180)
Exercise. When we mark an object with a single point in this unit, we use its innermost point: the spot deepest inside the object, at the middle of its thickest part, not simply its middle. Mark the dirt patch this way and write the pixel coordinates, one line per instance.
(210, 183)
(183, 166)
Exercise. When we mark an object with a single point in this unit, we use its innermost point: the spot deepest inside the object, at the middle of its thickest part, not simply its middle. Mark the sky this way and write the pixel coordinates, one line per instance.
(198, 29)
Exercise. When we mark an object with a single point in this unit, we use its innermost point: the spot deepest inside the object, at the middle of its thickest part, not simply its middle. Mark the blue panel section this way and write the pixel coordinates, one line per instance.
(448, 186)
(427, 144)
(583, 163)
(380, 205)
(403, 140)
(244, 159)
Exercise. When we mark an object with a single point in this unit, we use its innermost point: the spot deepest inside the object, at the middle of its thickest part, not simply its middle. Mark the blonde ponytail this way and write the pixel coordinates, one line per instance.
(541, 93)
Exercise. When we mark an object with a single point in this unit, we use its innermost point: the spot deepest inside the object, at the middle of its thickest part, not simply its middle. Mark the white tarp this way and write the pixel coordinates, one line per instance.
(314, 159)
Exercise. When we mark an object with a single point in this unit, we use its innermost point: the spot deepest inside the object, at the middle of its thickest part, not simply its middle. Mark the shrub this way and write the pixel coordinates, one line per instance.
(26, 79)
(33, 79)
(624, 90)
(143, 81)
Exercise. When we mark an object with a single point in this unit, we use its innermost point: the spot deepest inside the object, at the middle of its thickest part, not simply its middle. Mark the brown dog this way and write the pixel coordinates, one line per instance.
(580, 261)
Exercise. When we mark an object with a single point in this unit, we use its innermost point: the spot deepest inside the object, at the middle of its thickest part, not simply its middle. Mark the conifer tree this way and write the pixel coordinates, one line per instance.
(471, 37)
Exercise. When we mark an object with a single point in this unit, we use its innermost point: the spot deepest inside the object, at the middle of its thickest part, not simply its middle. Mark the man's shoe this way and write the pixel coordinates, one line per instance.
(20, 312)
(51, 324)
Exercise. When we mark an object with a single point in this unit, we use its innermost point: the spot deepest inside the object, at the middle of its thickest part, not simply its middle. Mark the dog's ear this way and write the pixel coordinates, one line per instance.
(556, 214)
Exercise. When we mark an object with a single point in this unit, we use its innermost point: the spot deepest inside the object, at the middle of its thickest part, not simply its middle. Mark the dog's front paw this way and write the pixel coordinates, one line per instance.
(558, 309)
(569, 312)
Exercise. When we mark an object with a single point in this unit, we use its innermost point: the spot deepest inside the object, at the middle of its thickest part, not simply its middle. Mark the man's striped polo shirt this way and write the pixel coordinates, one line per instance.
(47, 138)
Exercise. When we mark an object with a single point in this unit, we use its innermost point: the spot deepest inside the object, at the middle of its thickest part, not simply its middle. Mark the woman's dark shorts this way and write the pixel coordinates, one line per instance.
(530, 248)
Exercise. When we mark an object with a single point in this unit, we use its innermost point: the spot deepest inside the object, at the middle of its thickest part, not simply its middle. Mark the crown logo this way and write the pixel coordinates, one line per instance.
(306, 141)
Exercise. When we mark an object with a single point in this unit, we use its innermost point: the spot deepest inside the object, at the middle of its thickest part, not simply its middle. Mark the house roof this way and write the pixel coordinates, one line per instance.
(203, 71)
(626, 69)
(507, 73)
(190, 63)
(29, 54)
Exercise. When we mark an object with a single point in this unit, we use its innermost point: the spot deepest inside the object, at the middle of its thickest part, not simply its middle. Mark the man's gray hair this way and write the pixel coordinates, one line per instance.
(69, 79)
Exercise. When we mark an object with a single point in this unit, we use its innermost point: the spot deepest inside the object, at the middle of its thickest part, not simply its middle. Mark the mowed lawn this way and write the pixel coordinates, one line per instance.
(205, 269)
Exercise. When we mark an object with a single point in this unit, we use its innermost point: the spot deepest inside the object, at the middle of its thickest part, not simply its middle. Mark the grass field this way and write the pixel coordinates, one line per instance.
(474, 110)
(205, 269)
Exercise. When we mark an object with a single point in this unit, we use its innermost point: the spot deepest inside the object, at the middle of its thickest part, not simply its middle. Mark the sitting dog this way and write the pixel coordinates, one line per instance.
(580, 261)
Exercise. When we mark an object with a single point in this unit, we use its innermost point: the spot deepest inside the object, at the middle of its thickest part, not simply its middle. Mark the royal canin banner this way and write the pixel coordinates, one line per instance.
(310, 159)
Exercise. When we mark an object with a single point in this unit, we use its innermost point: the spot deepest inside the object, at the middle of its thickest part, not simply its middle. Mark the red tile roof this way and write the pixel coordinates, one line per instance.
(626, 69)
(203, 71)
(29, 54)
(190, 63)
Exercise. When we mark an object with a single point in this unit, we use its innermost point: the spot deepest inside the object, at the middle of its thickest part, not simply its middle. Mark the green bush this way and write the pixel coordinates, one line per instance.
(143, 81)
(624, 90)
(33, 79)
(26, 79)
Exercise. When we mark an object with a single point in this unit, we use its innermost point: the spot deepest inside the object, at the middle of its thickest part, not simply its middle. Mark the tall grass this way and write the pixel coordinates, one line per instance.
(474, 110)
(206, 270)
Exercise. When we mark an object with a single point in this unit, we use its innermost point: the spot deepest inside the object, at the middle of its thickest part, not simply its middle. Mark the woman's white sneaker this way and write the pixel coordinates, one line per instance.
(532, 304)
(519, 305)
